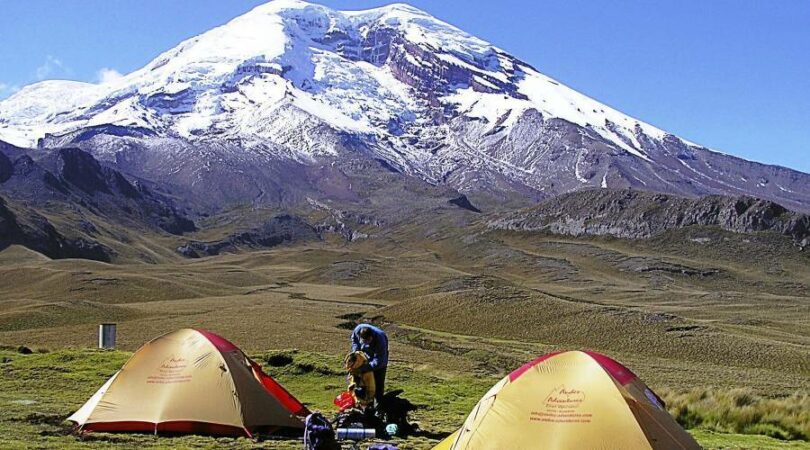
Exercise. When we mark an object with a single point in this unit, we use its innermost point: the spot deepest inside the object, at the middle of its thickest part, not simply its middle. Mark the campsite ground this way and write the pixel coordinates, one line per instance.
(36, 390)
(723, 337)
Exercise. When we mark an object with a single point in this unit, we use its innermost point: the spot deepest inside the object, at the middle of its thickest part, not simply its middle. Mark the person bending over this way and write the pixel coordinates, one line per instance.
(373, 342)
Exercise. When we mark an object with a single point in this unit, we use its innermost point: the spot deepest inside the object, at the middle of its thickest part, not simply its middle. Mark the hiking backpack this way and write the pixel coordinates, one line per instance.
(319, 434)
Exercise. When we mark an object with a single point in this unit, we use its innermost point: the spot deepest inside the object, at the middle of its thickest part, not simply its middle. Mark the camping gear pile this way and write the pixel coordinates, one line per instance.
(359, 417)
(355, 424)
(358, 422)
(194, 381)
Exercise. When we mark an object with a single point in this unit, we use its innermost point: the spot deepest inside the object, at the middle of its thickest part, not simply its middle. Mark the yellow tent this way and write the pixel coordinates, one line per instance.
(570, 400)
(190, 381)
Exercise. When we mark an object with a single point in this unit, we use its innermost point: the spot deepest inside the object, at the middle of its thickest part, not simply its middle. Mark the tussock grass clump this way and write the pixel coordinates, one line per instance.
(743, 412)
(297, 363)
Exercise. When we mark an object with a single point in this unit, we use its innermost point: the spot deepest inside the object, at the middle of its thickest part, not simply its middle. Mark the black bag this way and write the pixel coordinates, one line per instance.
(319, 434)
(356, 418)
(395, 410)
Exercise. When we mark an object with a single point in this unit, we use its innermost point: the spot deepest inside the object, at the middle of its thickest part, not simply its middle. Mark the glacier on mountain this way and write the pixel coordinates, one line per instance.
(335, 66)
(299, 81)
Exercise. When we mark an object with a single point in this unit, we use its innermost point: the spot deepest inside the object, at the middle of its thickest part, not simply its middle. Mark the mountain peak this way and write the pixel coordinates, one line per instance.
(392, 9)
(281, 5)
(275, 6)
(299, 81)
(389, 70)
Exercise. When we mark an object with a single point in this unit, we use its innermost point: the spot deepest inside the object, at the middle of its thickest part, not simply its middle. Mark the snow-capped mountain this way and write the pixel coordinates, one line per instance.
(294, 83)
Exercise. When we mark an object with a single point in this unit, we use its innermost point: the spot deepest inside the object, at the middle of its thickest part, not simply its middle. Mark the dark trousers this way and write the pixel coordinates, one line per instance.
(379, 384)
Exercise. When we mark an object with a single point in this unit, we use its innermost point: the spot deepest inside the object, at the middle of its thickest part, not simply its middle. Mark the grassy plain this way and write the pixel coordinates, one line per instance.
(717, 323)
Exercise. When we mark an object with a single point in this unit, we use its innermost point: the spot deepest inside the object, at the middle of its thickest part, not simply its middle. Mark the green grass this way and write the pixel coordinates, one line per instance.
(741, 411)
(38, 391)
(714, 440)
(730, 351)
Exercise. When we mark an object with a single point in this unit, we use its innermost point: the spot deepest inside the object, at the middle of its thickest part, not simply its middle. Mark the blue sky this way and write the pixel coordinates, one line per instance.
(733, 75)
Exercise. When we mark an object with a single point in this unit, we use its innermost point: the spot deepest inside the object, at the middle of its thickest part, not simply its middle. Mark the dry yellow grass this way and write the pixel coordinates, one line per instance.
(453, 301)
(742, 411)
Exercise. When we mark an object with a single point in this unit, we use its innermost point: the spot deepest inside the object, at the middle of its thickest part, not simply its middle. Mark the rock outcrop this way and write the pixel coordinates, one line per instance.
(633, 214)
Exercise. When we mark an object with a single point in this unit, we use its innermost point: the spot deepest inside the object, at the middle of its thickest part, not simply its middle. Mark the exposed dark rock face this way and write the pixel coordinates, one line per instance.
(74, 190)
(32, 182)
(37, 233)
(8, 222)
(284, 229)
(6, 168)
(464, 203)
(638, 215)
(83, 171)
(420, 65)
(432, 76)
(54, 140)
(72, 176)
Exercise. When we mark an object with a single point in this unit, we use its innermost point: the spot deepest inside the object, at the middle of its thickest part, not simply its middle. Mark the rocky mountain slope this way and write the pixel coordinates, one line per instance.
(257, 109)
(22, 226)
(638, 215)
(283, 229)
(63, 203)
(70, 178)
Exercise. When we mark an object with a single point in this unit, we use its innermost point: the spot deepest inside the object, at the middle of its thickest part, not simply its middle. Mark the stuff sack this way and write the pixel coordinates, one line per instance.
(319, 434)
(345, 401)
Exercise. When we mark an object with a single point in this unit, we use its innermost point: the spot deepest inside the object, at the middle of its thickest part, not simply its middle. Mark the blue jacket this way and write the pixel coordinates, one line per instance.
(378, 350)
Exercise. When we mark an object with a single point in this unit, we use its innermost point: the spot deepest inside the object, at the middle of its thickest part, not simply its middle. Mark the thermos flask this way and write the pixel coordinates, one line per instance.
(355, 434)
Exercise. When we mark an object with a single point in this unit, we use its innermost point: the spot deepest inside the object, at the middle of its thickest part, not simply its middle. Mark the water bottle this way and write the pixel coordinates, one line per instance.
(355, 434)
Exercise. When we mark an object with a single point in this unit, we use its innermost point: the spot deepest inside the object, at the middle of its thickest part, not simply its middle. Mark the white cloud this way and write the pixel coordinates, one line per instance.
(52, 67)
(107, 75)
